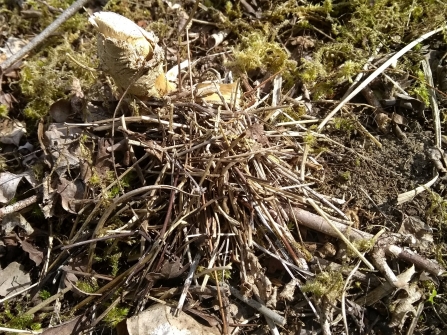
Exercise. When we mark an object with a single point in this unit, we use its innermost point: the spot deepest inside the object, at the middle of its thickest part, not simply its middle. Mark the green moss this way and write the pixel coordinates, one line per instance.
(420, 88)
(114, 263)
(309, 138)
(88, 286)
(256, 52)
(44, 294)
(344, 124)
(116, 315)
(48, 75)
(327, 284)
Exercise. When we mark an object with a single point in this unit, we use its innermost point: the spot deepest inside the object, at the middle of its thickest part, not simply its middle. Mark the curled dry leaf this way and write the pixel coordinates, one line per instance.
(34, 254)
(130, 55)
(12, 220)
(404, 305)
(11, 131)
(9, 182)
(64, 145)
(70, 191)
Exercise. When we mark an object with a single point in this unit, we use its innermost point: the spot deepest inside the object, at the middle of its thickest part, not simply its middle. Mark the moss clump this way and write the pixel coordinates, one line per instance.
(44, 294)
(115, 316)
(256, 52)
(327, 284)
(420, 88)
(48, 75)
(88, 286)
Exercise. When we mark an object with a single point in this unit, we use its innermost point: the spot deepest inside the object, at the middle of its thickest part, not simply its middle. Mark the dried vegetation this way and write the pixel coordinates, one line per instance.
(256, 216)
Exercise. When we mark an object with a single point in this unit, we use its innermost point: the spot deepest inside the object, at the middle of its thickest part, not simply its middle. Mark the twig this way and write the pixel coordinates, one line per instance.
(69, 12)
(343, 297)
(188, 282)
(316, 222)
(433, 101)
(278, 319)
(19, 205)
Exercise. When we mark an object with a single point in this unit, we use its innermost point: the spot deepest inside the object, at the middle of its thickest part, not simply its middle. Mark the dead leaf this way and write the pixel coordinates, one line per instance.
(404, 305)
(9, 182)
(418, 232)
(35, 255)
(11, 131)
(10, 221)
(60, 110)
(64, 147)
(13, 279)
(289, 290)
(158, 319)
(69, 191)
(67, 328)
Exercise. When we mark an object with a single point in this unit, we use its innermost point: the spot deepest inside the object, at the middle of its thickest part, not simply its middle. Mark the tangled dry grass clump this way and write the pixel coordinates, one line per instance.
(241, 201)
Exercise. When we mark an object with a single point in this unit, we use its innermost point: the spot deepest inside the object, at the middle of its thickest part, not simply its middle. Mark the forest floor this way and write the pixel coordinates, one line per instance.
(291, 179)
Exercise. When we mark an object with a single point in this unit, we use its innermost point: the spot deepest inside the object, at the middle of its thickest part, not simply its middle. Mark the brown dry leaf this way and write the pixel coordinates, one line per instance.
(69, 191)
(9, 182)
(418, 232)
(35, 255)
(66, 328)
(158, 319)
(10, 221)
(64, 146)
(289, 290)
(60, 110)
(404, 305)
(11, 131)
(13, 279)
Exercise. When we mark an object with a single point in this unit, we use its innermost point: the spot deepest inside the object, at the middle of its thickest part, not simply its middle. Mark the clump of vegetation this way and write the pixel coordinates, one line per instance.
(438, 210)
(17, 319)
(115, 316)
(88, 286)
(48, 75)
(256, 52)
(327, 284)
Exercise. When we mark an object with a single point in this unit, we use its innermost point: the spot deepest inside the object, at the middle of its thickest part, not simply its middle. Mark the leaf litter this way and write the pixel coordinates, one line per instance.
(157, 200)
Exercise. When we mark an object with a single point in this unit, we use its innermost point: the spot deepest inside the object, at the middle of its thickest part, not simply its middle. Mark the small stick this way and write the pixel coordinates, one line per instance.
(221, 306)
(187, 284)
(69, 12)
(19, 205)
(278, 319)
